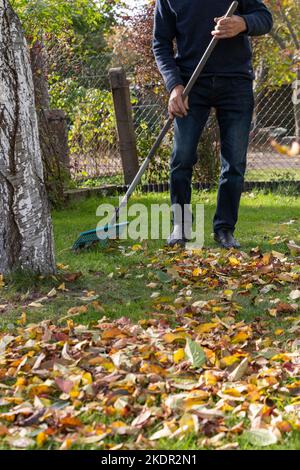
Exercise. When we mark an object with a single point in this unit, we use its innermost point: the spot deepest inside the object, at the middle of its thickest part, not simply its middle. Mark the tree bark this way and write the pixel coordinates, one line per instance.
(52, 129)
(296, 102)
(26, 239)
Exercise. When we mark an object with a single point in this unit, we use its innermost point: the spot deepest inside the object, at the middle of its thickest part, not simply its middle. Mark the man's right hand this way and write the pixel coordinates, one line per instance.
(178, 106)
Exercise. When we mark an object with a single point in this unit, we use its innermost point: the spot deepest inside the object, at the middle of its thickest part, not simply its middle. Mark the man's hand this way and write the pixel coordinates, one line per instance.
(229, 27)
(178, 106)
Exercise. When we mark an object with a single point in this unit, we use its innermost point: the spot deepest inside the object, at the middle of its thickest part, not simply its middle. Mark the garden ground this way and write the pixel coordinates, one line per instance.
(196, 350)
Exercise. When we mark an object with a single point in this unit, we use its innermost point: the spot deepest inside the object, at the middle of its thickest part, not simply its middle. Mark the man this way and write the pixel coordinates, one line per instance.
(226, 84)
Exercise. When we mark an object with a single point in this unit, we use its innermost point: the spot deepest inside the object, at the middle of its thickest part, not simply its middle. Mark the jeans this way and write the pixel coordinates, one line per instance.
(232, 97)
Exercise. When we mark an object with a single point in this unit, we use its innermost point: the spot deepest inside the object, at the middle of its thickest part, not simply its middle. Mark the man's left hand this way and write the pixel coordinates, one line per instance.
(229, 27)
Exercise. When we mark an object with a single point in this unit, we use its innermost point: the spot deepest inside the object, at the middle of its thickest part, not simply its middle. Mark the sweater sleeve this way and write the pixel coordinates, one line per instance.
(258, 17)
(163, 37)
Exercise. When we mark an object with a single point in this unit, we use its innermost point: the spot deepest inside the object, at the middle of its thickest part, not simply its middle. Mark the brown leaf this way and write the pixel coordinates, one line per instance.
(113, 333)
(70, 422)
(72, 277)
(64, 385)
(282, 307)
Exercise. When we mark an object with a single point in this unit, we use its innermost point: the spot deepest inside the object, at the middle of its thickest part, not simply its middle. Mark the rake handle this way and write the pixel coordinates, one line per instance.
(169, 122)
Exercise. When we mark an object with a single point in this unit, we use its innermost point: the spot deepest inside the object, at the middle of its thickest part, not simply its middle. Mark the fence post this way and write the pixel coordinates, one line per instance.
(125, 127)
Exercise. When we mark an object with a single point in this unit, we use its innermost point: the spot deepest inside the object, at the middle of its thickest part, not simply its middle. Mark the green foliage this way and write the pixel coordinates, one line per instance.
(77, 28)
(280, 51)
(54, 16)
(94, 122)
(159, 168)
(91, 115)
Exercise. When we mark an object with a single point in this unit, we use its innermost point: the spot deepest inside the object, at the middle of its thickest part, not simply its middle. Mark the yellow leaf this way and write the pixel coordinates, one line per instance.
(37, 390)
(148, 368)
(172, 337)
(191, 402)
(74, 393)
(232, 392)
(228, 294)
(210, 378)
(118, 424)
(108, 366)
(66, 444)
(178, 355)
(161, 356)
(62, 287)
(217, 309)
(2, 284)
(23, 319)
(206, 327)
(226, 407)
(189, 423)
(266, 259)
(137, 248)
(41, 438)
(87, 378)
(198, 271)
(234, 261)
(20, 382)
(279, 332)
(281, 357)
(240, 337)
(62, 266)
(283, 149)
(227, 361)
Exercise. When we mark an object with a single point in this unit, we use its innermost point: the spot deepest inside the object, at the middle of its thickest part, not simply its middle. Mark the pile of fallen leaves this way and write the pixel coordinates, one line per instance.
(194, 368)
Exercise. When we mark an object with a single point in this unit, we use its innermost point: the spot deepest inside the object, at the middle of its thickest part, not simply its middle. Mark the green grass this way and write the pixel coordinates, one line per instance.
(279, 174)
(119, 281)
(124, 294)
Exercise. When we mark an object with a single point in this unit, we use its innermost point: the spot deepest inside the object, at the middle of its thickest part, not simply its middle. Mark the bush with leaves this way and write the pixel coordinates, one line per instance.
(91, 121)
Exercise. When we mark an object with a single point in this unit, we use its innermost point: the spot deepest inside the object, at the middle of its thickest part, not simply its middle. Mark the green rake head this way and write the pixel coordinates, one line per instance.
(99, 236)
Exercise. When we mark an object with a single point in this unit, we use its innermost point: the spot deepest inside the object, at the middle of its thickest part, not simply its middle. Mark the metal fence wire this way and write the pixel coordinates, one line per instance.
(84, 94)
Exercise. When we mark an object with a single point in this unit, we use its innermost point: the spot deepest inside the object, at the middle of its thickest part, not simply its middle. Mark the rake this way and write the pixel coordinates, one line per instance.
(113, 229)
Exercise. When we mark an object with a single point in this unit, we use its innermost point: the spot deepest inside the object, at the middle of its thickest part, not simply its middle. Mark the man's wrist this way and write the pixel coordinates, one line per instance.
(244, 26)
(175, 87)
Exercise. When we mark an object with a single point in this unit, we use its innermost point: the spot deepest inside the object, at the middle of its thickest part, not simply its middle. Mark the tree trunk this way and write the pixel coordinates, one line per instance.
(26, 239)
(296, 102)
(52, 129)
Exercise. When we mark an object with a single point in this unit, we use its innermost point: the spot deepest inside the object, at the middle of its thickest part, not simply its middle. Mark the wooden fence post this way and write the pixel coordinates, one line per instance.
(125, 127)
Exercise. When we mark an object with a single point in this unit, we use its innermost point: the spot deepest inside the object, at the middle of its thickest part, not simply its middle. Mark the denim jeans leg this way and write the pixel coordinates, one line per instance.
(187, 132)
(234, 114)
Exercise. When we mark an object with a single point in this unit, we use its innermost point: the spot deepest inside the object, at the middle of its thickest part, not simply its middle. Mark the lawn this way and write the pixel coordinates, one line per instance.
(137, 346)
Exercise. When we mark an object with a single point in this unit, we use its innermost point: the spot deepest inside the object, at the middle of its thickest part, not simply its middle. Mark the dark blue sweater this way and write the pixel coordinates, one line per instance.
(190, 22)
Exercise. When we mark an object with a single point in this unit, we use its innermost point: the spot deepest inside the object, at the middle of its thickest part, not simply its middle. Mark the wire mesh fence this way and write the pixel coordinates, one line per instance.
(83, 92)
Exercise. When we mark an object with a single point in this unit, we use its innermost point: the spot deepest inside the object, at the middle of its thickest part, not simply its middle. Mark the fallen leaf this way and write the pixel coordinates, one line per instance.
(239, 371)
(64, 385)
(178, 355)
(260, 437)
(72, 277)
(194, 353)
(295, 294)
(78, 310)
(240, 337)
(206, 327)
(141, 419)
